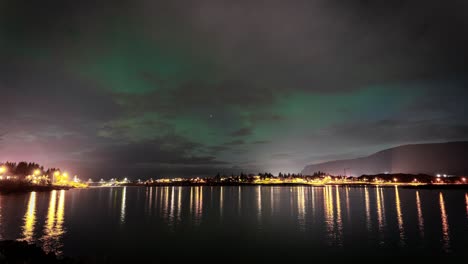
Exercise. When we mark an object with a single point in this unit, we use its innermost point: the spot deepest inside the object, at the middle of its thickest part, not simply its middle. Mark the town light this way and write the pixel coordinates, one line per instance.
(37, 172)
(395, 179)
(464, 179)
(3, 169)
(57, 173)
(438, 175)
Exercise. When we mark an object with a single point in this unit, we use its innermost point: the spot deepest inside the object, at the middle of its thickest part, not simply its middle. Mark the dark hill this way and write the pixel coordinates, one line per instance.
(445, 158)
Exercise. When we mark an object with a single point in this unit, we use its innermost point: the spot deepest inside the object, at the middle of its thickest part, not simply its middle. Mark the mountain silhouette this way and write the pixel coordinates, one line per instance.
(449, 158)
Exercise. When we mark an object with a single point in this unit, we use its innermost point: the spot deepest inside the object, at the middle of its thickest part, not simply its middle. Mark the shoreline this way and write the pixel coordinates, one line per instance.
(31, 188)
(39, 188)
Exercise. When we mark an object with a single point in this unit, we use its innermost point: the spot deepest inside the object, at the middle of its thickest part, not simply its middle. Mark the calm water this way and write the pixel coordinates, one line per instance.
(239, 221)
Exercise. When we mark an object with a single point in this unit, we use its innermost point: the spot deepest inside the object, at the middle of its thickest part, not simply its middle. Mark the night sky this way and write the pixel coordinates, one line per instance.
(177, 88)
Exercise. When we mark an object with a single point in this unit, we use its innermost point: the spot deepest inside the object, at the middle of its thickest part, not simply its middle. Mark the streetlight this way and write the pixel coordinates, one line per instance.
(37, 172)
(3, 169)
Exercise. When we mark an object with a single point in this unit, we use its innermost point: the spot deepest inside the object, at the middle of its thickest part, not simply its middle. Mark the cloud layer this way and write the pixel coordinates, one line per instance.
(151, 89)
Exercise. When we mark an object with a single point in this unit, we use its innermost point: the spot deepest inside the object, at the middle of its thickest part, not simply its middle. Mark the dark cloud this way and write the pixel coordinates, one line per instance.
(398, 131)
(216, 149)
(234, 142)
(153, 87)
(246, 131)
(261, 142)
(328, 46)
(46, 91)
(169, 155)
(281, 156)
(169, 149)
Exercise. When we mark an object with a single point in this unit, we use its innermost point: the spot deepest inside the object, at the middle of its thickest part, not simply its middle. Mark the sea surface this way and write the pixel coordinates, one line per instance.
(240, 222)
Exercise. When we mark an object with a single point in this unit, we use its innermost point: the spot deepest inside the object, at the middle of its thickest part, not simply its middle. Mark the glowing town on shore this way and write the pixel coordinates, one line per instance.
(61, 179)
(38, 177)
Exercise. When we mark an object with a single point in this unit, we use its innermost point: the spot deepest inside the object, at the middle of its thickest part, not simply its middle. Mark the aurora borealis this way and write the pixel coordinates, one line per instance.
(177, 88)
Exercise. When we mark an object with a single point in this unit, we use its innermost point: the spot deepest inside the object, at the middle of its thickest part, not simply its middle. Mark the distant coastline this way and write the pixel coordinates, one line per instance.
(419, 181)
(422, 181)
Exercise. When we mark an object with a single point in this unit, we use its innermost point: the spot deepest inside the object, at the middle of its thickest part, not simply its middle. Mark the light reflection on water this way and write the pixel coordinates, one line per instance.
(172, 206)
(179, 204)
(379, 209)
(399, 216)
(1, 226)
(197, 204)
(347, 204)
(368, 213)
(259, 203)
(221, 200)
(420, 215)
(30, 219)
(466, 201)
(301, 208)
(339, 224)
(380, 214)
(239, 200)
(329, 220)
(333, 216)
(53, 229)
(123, 205)
(445, 224)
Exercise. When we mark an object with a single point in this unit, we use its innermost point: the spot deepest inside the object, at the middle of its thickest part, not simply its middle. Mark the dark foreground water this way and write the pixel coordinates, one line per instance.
(239, 221)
